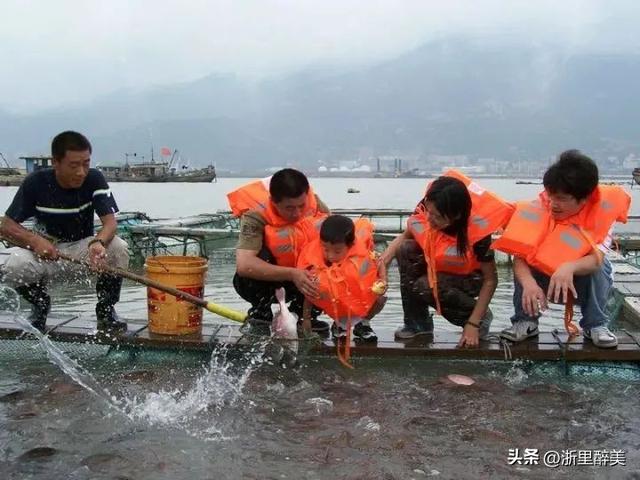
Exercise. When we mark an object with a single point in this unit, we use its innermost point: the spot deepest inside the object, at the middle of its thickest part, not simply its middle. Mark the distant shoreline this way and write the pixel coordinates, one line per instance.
(358, 175)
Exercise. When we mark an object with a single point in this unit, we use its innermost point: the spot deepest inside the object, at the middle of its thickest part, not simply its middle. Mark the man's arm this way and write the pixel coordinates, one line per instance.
(20, 236)
(588, 264)
(97, 247)
(533, 297)
(249, 265)
(109, 228)
(23, 207)
(522, 271)
(561, 284)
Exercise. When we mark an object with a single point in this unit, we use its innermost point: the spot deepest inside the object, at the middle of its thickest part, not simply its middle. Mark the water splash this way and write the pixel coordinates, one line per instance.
(218, 386)
(10, 303)
(368, 424)
(516, 374)
(322, 405)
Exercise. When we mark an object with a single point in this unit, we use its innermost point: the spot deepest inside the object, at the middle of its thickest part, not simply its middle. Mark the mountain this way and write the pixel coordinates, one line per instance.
(448, 97)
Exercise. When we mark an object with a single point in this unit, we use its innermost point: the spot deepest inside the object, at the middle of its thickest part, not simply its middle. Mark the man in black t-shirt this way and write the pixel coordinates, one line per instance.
(63, 201)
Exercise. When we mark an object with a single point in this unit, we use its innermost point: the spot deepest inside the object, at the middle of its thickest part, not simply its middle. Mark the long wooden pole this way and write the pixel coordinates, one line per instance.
(120, 272)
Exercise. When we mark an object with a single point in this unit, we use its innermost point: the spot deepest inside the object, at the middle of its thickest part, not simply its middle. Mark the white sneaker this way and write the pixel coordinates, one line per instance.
(520, 331)
(601, 337)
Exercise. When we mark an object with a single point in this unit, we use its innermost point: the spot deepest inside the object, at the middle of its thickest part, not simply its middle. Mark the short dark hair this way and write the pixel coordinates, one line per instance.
(68, 141)
(338, 229)
(288, 183)
(573, 173)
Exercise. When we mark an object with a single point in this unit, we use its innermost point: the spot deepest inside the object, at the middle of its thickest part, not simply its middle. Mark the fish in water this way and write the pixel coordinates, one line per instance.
(38, 453)
(284, 328)
(13, 397)
(456, 379)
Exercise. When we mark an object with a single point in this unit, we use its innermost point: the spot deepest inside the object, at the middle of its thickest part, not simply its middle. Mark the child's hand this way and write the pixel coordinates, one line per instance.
(379, 287)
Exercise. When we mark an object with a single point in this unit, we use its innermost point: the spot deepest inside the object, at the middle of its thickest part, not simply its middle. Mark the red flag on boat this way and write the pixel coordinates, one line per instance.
(165, 151)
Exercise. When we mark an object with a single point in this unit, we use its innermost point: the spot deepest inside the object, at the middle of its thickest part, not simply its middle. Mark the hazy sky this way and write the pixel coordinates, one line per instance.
(67, 52)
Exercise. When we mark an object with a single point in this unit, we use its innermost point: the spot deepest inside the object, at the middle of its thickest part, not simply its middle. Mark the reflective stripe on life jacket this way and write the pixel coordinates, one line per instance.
(488, 214)
(283, 239)
(286, 242)
(545, 243)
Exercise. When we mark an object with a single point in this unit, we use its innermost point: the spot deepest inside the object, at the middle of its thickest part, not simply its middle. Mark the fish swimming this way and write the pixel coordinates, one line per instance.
(457, 379)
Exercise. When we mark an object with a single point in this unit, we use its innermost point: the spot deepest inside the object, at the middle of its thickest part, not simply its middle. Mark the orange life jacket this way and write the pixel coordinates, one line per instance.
(489, 213)
(283, 239)
(545, 243)
(345, 288)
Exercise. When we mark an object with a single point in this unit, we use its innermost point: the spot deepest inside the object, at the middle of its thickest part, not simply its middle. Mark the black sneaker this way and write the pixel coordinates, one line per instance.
(36, 295)
(407, 333)
(365, 333)
(38, 323)
(337, 331)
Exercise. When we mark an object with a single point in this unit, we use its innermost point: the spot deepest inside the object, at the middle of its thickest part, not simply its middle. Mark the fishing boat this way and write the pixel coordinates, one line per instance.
(154, 172)
(636, 175)
(157, 172)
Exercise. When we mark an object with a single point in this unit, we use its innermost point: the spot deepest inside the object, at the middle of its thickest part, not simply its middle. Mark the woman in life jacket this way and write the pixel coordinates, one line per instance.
(558, 242)
(445, 260)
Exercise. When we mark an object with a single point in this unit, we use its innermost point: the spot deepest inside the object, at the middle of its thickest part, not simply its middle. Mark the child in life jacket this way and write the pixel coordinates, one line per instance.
(347, 275)
(559, 243)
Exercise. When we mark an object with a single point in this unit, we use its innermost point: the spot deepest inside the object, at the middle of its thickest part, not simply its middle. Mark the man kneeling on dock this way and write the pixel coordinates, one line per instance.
(559, 243)
(63, 201)
(272, 235)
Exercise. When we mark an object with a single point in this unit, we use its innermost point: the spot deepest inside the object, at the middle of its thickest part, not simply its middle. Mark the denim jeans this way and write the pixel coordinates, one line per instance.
(593, 292)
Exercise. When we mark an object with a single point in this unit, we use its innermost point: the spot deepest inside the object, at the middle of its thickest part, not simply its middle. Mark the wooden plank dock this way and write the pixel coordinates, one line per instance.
(441, 345)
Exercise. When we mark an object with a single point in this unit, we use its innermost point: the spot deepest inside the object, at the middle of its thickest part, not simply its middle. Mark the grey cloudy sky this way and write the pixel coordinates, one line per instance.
(66, 52)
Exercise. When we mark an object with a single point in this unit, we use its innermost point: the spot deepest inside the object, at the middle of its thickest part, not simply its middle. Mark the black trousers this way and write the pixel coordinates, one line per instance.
(261, 294)
(457, 293)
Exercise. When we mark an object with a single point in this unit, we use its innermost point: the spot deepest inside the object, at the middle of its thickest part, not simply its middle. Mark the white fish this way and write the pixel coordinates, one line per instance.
(460, 379)
(285, 324)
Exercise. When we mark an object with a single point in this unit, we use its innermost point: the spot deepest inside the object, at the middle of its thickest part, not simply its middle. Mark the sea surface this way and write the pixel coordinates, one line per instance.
(185, 416)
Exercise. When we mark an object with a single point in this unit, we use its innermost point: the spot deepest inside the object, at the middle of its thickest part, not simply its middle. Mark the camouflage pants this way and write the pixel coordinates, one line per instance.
(457, 293)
